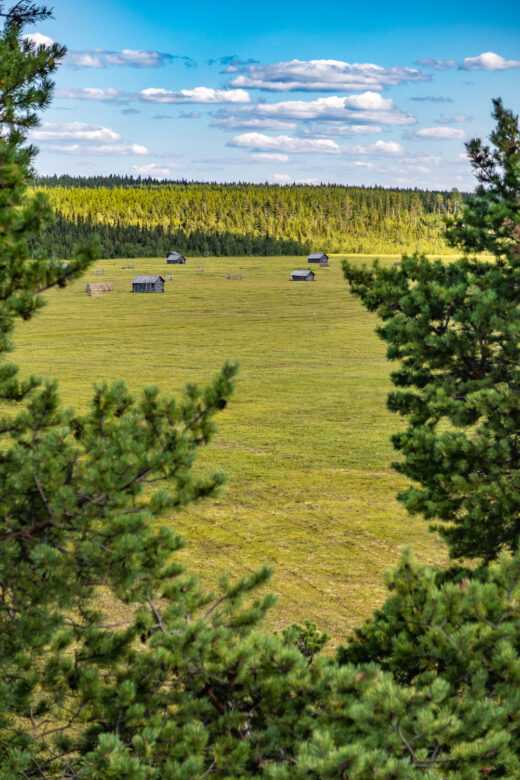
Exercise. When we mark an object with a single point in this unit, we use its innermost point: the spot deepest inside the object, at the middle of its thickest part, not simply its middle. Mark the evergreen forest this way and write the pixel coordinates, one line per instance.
(136, 217)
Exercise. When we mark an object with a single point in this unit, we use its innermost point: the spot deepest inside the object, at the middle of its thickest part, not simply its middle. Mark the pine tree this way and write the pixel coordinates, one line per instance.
(455, 330)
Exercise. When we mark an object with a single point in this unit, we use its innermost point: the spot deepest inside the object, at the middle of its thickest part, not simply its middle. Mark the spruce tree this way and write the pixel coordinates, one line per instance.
(455, 330)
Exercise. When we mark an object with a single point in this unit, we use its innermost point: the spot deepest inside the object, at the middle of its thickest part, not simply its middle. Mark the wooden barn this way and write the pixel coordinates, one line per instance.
(175, 258)
(145, 284)
(303, 276)
(318, 257)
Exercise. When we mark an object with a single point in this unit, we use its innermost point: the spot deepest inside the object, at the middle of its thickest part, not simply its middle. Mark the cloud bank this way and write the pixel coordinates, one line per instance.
(80, 138)
(196, 95)
(367, 108)
(322, 75)
(133, 58)
(441, 133)
(108, 94)
(258, 142)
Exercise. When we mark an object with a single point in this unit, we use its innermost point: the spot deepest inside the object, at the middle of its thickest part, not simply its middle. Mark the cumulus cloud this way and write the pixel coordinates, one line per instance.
(196, 95)
(156, 171)
(322, 75)
(437, 64)
(361, 164)
(258, 142)
(366, 108)
(488, 60)
(101, 149)
(38, 39)
(134, 58)
(441, 133)
(380, 147)
(285, 178)
(108, 94)
(76, 131)
(270, 157)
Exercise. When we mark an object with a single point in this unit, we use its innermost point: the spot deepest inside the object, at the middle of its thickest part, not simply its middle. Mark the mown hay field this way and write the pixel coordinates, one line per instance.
(304, 442)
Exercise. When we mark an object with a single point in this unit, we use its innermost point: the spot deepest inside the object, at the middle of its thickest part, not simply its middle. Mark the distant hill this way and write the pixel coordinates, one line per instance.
(144, 217)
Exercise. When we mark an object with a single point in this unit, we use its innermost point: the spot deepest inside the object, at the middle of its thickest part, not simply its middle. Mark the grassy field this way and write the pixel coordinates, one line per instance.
(305, 441)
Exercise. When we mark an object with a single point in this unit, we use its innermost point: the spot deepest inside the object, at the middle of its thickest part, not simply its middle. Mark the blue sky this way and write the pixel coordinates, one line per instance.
(359, 93)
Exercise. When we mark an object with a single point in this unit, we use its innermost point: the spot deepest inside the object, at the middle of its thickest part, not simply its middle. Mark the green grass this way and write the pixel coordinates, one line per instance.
(304, 442)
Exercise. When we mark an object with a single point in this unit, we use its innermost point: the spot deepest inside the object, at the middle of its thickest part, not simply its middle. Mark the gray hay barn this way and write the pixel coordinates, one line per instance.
(145, 284)
(175, 258)
(318, 257)
(303, 276)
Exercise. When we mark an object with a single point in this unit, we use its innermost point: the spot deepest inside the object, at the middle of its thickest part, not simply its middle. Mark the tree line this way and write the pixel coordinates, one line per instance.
(62, 236)
(135, 217)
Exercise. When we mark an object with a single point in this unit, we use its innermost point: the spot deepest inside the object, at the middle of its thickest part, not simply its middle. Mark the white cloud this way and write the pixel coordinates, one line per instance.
(196, 95)
(488, 60)
(157, 171)
(364, 109)
(77, 131)
(259, 142)
(81, 138)
(380, 147)
(38, 39)
(323, 75)
(101, 149)
(329, 107)
(437, 64)
(280, 178)
(134, 58)
(109, 94)
(442, 133)
(270, 157)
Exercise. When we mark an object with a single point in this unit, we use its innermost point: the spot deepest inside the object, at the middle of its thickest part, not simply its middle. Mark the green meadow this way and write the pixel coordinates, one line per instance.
(304, 442)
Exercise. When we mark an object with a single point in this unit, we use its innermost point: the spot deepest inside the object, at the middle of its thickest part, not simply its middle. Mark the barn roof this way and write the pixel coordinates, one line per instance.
(146, 279)
(316, 255)
(306, 272)
(174, 254)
